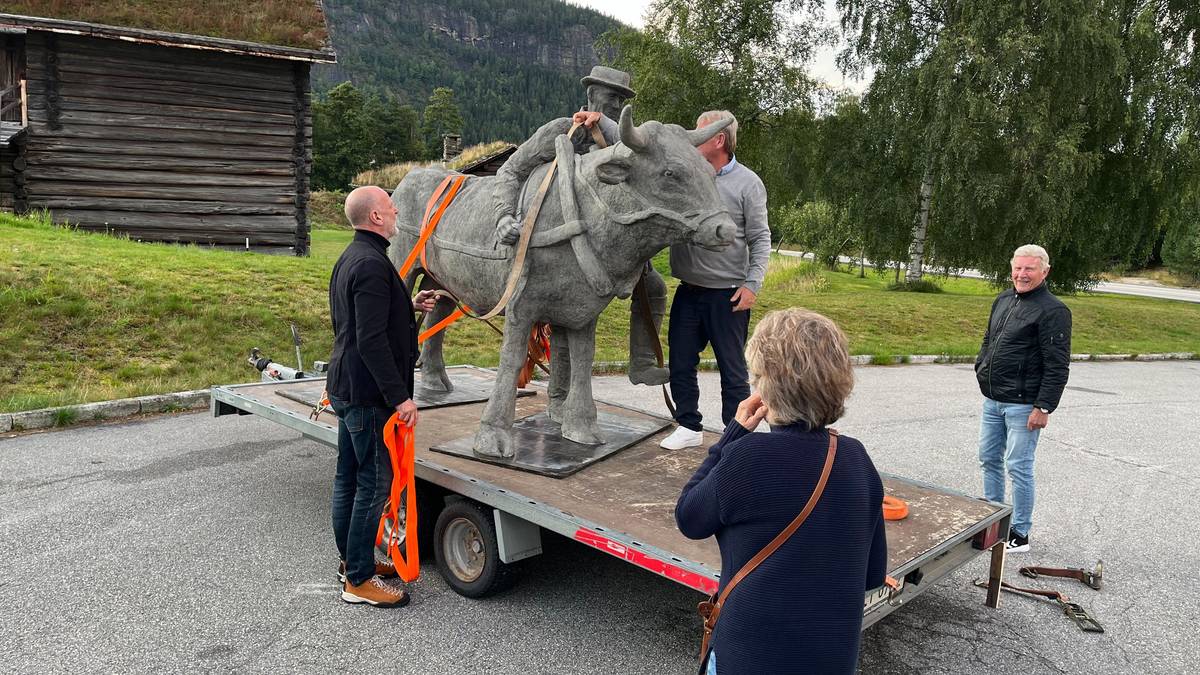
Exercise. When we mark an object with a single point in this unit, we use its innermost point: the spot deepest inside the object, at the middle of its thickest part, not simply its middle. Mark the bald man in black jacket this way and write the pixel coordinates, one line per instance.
(370, 377)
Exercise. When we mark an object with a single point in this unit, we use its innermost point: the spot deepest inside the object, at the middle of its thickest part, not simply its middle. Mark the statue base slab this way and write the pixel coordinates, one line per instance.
(469, 387)
(541, 449)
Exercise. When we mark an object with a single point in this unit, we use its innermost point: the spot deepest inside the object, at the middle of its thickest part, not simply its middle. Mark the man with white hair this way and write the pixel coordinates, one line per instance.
(717, 289)
(1022, 369)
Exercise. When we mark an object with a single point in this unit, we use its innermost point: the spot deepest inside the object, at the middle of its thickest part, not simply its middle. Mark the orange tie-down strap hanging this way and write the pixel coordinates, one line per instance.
(398, 437)
(449, 187)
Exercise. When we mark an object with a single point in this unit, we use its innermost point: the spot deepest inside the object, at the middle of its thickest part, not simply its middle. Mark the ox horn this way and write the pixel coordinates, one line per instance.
(631, 136)
(701, 134)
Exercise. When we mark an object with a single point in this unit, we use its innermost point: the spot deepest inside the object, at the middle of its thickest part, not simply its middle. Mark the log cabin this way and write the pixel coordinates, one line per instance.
(159, 135)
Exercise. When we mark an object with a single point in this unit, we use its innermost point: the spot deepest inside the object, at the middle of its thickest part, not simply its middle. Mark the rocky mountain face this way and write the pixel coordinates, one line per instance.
(513, 64)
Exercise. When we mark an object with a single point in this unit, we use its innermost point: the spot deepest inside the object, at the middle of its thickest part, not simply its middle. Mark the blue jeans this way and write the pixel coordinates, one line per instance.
(699, 317)
(1005, 442)
(361, 485)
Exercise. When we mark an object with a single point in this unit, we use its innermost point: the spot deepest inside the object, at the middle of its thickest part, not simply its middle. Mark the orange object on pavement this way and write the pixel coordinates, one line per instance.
(894, 508)
(398, 437)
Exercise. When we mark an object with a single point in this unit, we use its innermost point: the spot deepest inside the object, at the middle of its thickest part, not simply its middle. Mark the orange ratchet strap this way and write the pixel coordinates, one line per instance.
(429, 223)
(398, 437)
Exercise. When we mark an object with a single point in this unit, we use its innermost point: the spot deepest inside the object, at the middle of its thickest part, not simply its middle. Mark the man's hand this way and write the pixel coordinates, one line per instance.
(508, 230)
(1037, 420)
(407, 412)
(743, 299)
(750, 412)
(585, 118)
(425, 301)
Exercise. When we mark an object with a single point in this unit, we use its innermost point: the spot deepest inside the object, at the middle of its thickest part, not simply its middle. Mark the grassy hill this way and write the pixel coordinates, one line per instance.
(88, 317)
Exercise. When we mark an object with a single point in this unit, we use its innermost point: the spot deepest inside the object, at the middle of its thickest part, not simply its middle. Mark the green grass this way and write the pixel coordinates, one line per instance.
(86, 317)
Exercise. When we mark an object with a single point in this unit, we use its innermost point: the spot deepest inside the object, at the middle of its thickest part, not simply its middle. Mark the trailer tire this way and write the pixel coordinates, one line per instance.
(467, 554)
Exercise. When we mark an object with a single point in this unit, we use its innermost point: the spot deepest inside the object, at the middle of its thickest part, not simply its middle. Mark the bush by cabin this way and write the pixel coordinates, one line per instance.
(171, 126)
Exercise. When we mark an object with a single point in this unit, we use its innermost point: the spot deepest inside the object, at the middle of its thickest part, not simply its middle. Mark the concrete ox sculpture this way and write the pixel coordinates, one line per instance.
(606, 213)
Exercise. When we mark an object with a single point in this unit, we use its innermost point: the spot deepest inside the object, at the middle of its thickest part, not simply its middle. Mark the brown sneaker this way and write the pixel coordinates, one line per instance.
(383, 568)
(375, 591)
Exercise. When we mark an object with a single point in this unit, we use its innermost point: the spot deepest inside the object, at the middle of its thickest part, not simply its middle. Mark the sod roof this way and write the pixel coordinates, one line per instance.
(298, 24)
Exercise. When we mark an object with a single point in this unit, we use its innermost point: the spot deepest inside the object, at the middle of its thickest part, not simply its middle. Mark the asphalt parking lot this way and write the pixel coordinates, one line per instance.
(190, 543)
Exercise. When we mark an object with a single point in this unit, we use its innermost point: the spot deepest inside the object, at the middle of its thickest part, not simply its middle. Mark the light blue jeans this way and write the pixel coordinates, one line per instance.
(712, 663)
(1005, 442)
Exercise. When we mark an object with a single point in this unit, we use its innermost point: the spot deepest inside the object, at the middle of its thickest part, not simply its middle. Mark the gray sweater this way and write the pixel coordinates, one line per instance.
(743, 263)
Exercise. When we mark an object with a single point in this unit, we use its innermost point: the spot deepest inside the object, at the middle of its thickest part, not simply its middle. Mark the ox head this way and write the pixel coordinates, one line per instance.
(666, 176)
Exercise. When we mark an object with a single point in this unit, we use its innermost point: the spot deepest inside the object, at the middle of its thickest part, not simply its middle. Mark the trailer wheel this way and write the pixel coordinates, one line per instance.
(468, 557)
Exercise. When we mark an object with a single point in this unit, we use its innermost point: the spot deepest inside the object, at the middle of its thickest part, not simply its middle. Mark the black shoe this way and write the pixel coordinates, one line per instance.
(1016, 544)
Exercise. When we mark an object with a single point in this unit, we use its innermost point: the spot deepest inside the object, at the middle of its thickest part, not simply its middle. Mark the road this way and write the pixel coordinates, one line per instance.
(187, 542)
(1145, 290)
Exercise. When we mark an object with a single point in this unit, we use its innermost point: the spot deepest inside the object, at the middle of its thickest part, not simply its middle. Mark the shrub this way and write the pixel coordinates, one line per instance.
(919, 286)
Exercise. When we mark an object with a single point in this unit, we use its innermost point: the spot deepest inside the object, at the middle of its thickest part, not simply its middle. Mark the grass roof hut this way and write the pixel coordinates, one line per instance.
(163, 120)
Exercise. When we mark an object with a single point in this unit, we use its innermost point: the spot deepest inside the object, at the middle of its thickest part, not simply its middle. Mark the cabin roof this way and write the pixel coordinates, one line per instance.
(286, 29)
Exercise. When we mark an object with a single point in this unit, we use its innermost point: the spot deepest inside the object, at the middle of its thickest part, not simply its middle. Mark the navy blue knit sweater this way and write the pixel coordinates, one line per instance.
(800, 611)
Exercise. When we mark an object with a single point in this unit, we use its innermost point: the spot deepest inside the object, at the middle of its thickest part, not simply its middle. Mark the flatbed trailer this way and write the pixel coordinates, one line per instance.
(488, 517)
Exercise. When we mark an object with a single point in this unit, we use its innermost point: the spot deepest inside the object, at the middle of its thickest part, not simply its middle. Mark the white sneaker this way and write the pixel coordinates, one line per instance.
(681, 438)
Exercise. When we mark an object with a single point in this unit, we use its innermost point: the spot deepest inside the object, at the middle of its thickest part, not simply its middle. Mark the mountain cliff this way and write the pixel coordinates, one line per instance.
(513, 64)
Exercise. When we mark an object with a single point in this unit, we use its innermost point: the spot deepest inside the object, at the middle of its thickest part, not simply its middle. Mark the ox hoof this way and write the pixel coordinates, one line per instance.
(587, 434)
(436, 380)
(493, 442)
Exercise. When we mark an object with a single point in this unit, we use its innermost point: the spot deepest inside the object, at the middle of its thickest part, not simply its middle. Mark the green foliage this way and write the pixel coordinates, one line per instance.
(353, 130)
(918, 286)
(744, 56)
(1049, 122)
(441, 117)
(65, 416)
(1181, 218)
(816, 227)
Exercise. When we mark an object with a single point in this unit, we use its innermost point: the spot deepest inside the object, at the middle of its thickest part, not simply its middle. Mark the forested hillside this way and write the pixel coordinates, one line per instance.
(513, 64)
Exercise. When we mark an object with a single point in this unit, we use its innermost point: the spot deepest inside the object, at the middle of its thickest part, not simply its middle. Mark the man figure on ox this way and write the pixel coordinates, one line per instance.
(1022, 368)
(716, 291)
(370, 377)
(607, 91)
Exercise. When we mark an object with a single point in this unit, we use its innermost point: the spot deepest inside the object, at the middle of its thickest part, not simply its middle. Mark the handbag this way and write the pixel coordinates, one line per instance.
(710, 609)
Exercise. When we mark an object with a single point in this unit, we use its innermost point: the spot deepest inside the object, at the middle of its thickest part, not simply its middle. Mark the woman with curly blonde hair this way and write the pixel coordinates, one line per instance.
(801, 609)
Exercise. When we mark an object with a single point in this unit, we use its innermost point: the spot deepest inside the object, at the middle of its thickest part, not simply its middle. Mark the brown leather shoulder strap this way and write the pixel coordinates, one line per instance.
(790, 529)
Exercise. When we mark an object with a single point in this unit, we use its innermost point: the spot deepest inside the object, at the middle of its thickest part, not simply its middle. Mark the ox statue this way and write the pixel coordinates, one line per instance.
(605, 215)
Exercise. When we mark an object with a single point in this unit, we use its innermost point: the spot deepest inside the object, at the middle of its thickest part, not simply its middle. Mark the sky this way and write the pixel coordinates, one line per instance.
(822, 66)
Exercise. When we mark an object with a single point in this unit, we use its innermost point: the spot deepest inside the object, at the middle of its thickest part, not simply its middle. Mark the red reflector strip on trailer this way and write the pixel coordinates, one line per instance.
(631, 554)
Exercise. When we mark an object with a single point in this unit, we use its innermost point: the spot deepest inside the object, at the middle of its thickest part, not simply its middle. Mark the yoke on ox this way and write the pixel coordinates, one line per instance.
(606, 214)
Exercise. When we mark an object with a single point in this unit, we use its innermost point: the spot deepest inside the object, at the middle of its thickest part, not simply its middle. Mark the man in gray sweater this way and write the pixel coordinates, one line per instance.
(717, 289)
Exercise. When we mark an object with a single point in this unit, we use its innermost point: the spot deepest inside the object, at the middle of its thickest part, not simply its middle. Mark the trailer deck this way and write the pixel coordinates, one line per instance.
(624, 504)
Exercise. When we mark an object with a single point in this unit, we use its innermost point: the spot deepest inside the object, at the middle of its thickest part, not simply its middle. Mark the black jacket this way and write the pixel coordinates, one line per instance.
(374, 329)
(1026, 350)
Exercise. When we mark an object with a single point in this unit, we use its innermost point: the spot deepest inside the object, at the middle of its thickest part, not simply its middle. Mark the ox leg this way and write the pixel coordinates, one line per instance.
(433, 366)
(560, 372)
(579, 410)
(494, 438)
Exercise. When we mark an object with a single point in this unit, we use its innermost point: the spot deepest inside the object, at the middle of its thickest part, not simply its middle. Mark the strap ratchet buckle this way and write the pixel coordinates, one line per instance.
(1079, 615)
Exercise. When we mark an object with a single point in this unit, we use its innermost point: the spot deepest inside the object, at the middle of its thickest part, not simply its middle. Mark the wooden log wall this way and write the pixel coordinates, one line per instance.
(169, 144)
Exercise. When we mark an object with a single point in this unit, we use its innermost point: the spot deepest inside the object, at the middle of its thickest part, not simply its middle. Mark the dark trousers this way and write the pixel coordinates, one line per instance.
(361, 485)
(699, 317)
